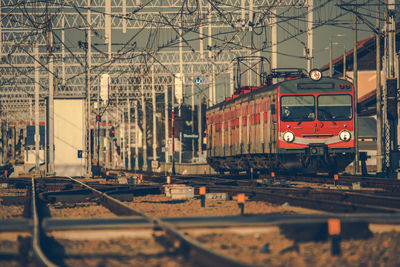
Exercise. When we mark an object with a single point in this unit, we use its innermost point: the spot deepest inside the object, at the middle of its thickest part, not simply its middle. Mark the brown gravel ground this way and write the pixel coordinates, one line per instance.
(87, 209)
(380, 250)
(119, 252)
(11, 211)
(161, 206)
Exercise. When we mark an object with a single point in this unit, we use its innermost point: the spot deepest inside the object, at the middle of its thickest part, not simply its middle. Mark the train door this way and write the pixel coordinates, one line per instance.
(218, 135)
(245, 128)
(269, 118)
(257, 126)
(235, 142)
(263, 104)
(273, 124)
(225, 132)
(209, 134)
(252, 137)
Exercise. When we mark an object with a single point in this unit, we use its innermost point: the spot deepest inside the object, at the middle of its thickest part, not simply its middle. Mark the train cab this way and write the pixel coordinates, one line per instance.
(316, 121)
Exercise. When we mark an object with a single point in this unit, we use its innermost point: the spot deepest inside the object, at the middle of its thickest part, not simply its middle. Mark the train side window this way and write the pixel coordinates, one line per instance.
(273, 108)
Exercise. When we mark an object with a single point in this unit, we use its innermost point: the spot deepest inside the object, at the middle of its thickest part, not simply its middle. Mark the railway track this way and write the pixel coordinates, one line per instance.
(178, 235)
(313, 198)
(164, 232)
(390, 185)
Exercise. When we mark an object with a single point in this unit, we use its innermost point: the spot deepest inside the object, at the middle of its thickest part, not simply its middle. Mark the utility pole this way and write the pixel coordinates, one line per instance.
(355, 84)
(166, 125)
(389, 90)
(310, 18)
(200, 142)
(274, 42)
(173, 142)
(379, 125)
(173, 128)
(153, 94)
(37, 134)
(129, 145)
(136, 137)
(50, 134)
(330, 59)
(88, 168)
(144, 124)
(192, 117)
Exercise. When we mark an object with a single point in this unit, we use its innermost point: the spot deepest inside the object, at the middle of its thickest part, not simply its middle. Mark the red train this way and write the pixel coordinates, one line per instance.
(304, 123)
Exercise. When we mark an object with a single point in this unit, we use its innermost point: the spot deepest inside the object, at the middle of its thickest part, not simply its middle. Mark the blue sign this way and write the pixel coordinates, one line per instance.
(190, 135)
(79, 154)
(198, 81)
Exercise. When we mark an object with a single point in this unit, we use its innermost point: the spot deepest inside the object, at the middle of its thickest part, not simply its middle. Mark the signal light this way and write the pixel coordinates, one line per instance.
(21, 133)
(98, 118)
(112, 131)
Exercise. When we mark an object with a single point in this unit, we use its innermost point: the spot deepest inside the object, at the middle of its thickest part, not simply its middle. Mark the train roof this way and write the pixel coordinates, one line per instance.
(257, 90)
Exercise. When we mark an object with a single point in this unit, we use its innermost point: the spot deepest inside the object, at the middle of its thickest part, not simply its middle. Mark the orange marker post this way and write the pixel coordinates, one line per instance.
(335, 179)
(273, 174)
(240, 200)
(202, 192)
(334, 233)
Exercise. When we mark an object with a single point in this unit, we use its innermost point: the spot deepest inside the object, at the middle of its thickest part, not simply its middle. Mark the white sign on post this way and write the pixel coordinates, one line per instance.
(104, 86)
(179, 87)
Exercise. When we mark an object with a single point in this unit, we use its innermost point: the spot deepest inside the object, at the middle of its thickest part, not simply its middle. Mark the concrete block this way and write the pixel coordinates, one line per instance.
(217, 196)
(177, 191)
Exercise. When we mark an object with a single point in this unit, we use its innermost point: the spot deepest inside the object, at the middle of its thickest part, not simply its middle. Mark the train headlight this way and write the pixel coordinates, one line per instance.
(288, 137)
(315, 75)
(345, 135)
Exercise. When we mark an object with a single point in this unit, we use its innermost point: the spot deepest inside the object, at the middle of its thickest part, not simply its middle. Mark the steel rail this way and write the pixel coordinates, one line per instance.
(36, 231)
(343, 196)
(355, 200)
(181, 243)
(318, 204)
(132, 222)
(264, 220)
(369, 182)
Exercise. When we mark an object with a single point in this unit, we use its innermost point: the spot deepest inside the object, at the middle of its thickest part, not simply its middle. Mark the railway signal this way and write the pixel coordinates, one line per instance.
(112, 132)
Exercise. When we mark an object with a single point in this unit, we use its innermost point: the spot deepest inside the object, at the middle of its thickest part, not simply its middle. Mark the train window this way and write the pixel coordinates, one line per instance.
(298, 108)
(334, 107)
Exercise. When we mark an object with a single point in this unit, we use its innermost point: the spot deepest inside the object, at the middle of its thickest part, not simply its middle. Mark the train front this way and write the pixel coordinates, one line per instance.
(316, 124)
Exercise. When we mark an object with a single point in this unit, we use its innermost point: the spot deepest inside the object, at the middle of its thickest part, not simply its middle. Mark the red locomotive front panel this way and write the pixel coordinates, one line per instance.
(316, 124)
(316, 118)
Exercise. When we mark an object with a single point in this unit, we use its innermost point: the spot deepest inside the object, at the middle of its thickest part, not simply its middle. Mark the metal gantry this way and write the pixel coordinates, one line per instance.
(142, 45)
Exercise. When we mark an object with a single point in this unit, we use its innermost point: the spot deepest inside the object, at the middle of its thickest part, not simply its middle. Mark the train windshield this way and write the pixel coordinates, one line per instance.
(334, 108)
(298, 108)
